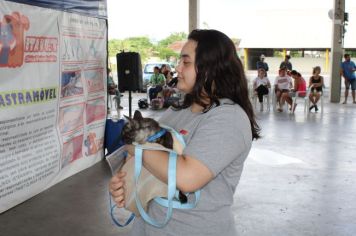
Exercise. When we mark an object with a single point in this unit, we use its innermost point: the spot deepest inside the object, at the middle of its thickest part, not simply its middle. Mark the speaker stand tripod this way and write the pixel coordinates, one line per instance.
(130, 104)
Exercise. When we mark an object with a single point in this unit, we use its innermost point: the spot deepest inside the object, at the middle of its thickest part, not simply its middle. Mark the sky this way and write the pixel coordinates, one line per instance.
(255, 22)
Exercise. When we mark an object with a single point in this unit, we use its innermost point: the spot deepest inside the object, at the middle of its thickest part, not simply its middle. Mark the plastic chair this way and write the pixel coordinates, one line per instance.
(266, 99)
(274, 101)
(321, 100)
(250, 90)
(305, 99)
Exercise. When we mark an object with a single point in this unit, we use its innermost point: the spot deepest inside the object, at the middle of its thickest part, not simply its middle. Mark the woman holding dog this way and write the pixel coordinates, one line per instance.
(218, 125)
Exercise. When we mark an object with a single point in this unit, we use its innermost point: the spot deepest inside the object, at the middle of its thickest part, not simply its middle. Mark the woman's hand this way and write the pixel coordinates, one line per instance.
(130, 149)
(117, 188)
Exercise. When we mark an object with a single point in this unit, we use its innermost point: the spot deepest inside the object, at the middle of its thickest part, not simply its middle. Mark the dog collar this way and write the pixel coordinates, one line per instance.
(157, 135)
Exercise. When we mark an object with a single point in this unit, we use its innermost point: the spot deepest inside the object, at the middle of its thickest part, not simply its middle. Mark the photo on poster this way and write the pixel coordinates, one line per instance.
(12, 28)
(95, 110)
(71, 84)
(71, 117)
(94, 78)
(93, 144)
(72, 150)
(95, 49)
(72, 49)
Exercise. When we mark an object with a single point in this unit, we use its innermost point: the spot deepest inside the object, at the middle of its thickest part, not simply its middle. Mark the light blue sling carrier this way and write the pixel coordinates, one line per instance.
(171, 201)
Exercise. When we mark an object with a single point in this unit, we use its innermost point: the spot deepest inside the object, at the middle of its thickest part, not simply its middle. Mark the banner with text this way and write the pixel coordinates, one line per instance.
(52, 97)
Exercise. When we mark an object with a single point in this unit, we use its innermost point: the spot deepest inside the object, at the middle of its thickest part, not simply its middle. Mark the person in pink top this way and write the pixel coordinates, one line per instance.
(299, 89)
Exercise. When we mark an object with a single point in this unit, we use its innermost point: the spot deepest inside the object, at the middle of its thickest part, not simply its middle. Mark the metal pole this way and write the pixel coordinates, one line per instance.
(337, 50)
(130, 104)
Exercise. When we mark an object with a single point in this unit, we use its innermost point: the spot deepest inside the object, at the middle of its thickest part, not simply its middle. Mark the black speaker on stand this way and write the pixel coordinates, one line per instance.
(129, 72)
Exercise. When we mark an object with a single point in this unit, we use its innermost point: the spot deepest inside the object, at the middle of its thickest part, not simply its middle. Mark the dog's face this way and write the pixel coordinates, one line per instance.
(138, 129)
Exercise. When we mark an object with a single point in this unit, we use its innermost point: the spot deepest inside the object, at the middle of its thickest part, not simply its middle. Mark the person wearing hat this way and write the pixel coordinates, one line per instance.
(286, 64)
(262, 64)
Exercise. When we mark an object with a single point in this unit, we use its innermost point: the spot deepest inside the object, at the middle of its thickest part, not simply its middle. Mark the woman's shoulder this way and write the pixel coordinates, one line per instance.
(172, 113)
(227, 110)
(229, 114)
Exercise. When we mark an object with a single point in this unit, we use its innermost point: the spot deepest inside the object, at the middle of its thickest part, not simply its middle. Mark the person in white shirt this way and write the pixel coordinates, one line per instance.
(282, 84)
(261, 86)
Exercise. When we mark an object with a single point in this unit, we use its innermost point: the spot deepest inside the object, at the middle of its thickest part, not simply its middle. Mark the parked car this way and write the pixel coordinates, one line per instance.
(148, 72)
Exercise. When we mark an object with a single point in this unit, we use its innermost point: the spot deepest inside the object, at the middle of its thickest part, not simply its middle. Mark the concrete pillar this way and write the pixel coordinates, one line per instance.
(327, 60)
(337, 50)
(246, 58)
(193, 15)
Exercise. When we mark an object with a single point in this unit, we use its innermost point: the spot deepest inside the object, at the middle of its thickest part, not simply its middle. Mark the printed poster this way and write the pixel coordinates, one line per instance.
(52, 98)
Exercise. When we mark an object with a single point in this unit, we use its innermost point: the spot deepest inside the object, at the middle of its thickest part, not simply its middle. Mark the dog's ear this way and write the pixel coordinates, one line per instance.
(137, 115)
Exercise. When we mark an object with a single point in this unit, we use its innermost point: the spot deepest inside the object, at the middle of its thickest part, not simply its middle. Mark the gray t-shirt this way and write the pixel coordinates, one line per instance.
(221, 139)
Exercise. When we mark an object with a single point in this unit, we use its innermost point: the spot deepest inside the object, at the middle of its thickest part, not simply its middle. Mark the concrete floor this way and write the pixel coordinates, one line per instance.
(299, 180)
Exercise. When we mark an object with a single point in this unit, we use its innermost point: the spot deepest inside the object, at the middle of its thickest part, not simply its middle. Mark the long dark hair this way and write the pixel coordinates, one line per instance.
(220, 74)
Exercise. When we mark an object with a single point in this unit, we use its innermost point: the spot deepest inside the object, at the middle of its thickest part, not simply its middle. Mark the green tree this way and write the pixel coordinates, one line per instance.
(172, 38)
(165, 53)
(115, 46)
(162, 50)
(145, 47)
(142, 45)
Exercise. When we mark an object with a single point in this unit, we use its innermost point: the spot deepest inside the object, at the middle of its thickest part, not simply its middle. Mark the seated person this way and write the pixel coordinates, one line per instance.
(157, 81)
(261, 85)
(299, 90)
(170, 89)
(316, 83)
(282, 84)
(166, 71)
(113, 90)
(173, 83)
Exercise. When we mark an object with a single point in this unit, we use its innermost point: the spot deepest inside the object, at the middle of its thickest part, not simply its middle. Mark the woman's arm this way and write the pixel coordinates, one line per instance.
(268, 83)
(310, 82)
(321, 81)
(151, 83)
(276, 87)
(191, 173)
(295, 87)
(162, 80)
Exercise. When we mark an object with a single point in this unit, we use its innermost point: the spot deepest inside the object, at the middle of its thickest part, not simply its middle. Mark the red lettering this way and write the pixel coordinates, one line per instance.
(35, 44)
